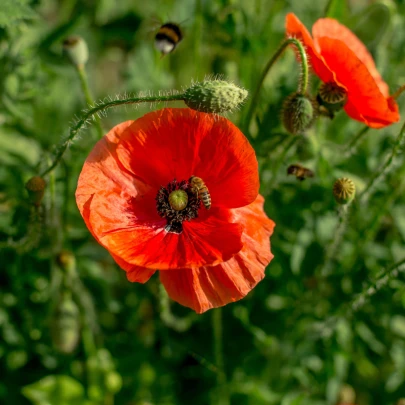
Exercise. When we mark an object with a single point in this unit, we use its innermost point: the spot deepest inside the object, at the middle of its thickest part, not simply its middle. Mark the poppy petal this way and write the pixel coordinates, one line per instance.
(135, 274)
(330, 28)
(364, 96)
(210, 287)
(178, 143)
(296, 29)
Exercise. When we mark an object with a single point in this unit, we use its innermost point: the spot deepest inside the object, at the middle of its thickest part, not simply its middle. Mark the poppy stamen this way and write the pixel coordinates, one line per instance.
(177, 203)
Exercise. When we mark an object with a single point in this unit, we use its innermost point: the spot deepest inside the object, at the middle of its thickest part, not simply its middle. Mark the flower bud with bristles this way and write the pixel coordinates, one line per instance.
(75, 48)
(36, 189)
(214, 96)
(344, 190)
(298, 113)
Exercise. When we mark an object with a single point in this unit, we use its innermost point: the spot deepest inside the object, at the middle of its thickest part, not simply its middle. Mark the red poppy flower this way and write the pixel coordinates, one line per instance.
(338, 56)
(207, 258)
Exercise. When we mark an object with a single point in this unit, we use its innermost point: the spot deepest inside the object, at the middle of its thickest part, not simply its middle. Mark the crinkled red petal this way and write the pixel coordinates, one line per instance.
(178, 143)
(365, 103)
(330, 28)
(210, 287)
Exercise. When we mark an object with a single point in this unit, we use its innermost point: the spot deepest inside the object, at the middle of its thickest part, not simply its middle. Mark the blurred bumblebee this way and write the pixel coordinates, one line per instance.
(300, 172)
(168, 37)
(201, 190)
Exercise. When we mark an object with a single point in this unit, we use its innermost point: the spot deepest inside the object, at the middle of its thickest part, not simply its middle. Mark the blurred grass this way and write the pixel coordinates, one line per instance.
(133, 350)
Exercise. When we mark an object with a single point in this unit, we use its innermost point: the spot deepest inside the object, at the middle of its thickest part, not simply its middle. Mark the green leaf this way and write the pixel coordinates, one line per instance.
(14, 10)
(51, 390)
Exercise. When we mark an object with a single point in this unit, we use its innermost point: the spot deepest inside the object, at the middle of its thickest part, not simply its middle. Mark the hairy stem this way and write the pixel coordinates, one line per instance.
(75, 129)
(398, 92)
(303, 82)
(385, 167)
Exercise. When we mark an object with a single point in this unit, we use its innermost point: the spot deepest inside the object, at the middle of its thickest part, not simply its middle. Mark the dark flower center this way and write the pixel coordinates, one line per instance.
(167, 204)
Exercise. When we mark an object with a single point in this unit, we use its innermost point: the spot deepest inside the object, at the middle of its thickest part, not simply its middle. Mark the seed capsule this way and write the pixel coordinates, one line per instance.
(332, 97)
(178, 200)
(344, 190)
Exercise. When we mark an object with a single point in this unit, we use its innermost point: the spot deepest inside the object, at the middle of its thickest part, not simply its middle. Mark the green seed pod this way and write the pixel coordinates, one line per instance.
(344, 191)
(178, 199)
(36, 189)
(298, 113)
(214, 96)
(75, 48)
(332, 97)
(65, 325)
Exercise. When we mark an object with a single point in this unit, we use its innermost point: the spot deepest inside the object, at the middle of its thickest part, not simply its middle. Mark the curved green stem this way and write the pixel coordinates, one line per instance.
(222, 395)
(87, 94)
(303, 83)
(386, 166)
(75, 129)
(355, 140)
(337, 240)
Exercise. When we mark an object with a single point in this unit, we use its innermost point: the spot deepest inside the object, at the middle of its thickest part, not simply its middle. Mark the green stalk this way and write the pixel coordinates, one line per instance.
(75, 129)
(303, 83)
(222, 394)
(355, 140)
(81, 71)
(386, 166)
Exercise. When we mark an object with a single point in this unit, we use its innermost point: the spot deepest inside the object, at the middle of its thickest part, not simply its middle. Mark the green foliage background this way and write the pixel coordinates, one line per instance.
(300, 335)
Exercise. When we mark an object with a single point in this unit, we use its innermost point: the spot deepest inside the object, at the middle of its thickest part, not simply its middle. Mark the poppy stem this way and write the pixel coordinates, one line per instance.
(378, 176)
(335, 243)
(398, 92)
(303, 81)
(98, 109)
(222, 394)
(81, 71)
(350, 149)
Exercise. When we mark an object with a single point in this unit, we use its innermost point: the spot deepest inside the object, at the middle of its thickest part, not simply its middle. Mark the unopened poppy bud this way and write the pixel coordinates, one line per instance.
(332, 96)
(178, 199)
(344, 190)
(75, 48)
(65, 327)
(36, 189)
(214, 96)
(298, 113)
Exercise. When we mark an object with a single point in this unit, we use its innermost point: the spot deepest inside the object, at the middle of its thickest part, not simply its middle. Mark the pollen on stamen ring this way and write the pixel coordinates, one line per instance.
(176, 217)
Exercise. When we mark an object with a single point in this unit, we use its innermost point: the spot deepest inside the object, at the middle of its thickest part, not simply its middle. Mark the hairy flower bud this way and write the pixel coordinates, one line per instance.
(298, 113)
(344, 190)
(75, 48)
(214, 96)
(36, 189)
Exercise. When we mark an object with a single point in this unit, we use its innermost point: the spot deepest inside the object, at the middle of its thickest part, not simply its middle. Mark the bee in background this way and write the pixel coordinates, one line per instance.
(168, 37)
(300, 172)
(200, 189)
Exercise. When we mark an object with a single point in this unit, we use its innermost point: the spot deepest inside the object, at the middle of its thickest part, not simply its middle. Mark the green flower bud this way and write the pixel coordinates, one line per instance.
(214, 96)
(75, 48)
(298, 113)
(65, 327)
(36, 189)
(344, 191)
(178, 200)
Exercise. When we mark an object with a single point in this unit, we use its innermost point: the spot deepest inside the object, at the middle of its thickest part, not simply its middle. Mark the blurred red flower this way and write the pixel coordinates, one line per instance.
(206, 258)
(338, 56)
